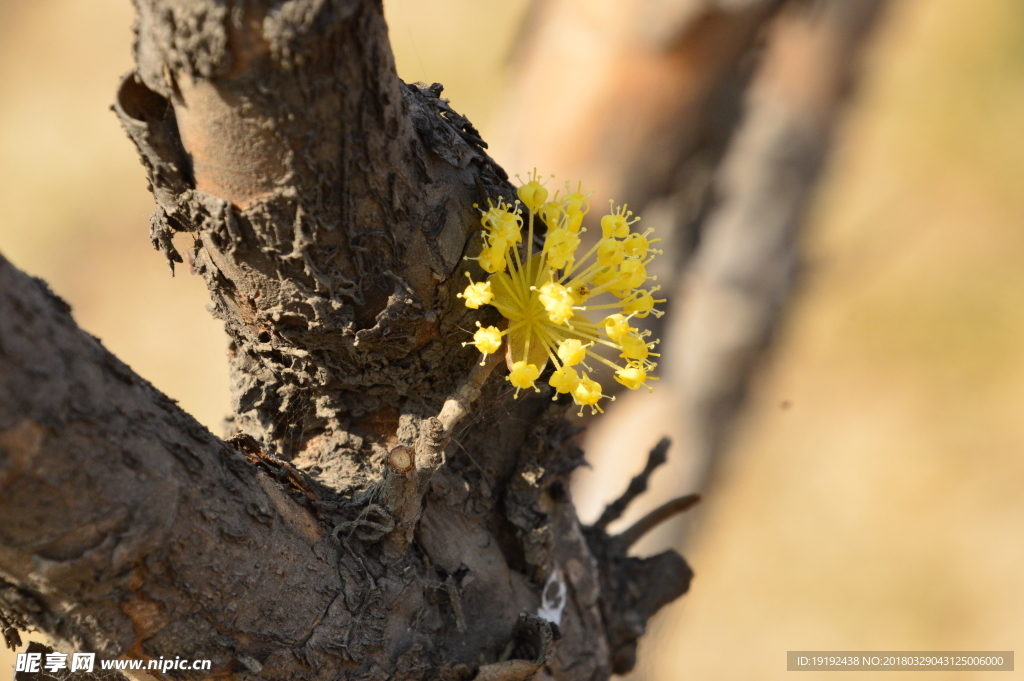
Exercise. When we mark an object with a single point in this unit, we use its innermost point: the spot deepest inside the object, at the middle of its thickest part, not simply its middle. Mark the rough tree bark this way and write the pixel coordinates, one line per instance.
(381, 508)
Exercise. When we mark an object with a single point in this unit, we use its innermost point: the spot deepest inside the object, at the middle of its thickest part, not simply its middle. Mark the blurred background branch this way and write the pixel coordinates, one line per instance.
(711, 119)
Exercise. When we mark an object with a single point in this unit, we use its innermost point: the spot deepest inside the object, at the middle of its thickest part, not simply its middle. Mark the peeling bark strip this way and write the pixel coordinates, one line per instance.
(381, 510)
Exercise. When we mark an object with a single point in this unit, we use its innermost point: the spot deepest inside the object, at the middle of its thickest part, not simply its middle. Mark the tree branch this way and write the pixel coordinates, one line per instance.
(742, 274)
(125, 527)
(329, 206)
(675, 71)
(656, 517)
(410, 470)
(335, 281)
(637, 486)
(625, 604)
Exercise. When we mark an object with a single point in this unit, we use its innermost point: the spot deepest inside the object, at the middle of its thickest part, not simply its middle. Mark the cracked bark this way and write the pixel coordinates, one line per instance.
(381, 508)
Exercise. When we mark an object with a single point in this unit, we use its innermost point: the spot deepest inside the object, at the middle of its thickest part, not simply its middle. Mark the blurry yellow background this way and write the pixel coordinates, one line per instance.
(883, 510)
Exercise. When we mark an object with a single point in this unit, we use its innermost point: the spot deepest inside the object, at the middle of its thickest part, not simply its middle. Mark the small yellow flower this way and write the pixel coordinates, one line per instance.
(487, 339)
(638, 244)
(533, 194)
(641, 304)
(616, 326)
(561, 245)
(508, 230)
(632, 273)
(588, 393)
(572, 351)
(634, 347)
(477, 294)
(545, 295)
(564, 380)
(611, 252)
(576, 207)
(558, 301)
(492, 259)
(523, 375)
(551, 213)
(633, 376)
(616, 224)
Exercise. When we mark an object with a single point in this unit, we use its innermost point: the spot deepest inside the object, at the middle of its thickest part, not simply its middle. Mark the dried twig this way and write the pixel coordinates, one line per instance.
(656, 517)
(637, 486)
(409, 473)
(458, 403)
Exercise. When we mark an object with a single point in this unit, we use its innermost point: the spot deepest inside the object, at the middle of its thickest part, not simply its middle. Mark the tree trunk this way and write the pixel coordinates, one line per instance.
(382, 507)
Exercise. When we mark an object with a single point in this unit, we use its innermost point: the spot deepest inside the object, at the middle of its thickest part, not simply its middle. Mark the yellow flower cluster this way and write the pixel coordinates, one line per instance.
(544, 295)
